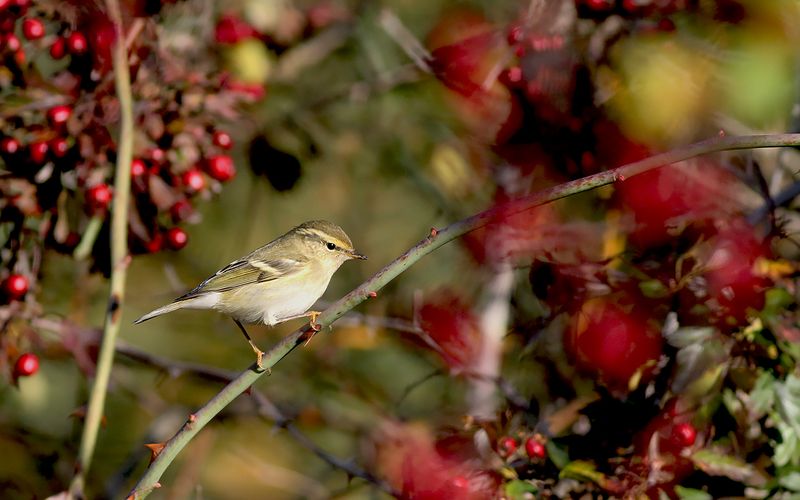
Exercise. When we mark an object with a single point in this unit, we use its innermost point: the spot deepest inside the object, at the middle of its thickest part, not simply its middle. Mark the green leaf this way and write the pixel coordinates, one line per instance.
(653, 289)
(689, 335)
(557, 454)
(582, 470)
(691, 494)
(719, 464)
(763, 393)
(788, 394)
(790, 481)
(520, 490)
(788, 450)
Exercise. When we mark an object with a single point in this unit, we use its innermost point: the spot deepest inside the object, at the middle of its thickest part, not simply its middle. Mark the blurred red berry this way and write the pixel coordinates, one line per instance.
(181, 210)
(58, 115)
(38, 151)
(33, 29)
(515, 34)
(177, 238)
(222, 139)
(506, 446)
(155, 244)
(11, 42)
(613, 343)
(9, 145)
(26, 365)
(4, 4)
(535, 449)
(453, 328)
(77, 43)
(221, 168)
(231, 29)
(19, 57)
(599, 5)
(193, 179)
(21, 6)
(138, 168)
(684, 434)
(157, 155)
(59, 147)
(98, 197)
(15, 286)
(58, 49)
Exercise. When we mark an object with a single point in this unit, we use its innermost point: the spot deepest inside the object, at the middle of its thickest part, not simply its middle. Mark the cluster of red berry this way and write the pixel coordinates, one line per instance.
(58, 147)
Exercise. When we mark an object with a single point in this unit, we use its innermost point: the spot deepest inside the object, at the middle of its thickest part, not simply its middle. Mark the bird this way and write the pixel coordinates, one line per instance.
(277, 282)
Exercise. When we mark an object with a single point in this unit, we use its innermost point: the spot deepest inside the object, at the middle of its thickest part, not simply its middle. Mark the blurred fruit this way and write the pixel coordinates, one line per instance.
(38, 151)
(59, 147)
(732, 279)
(612, 343)
(453, 329)
(231, 29)
(181, 210)
(58, 115)
(9, 146)
(11, 43)
(177, 238)
(155, 243)
(32, 29)
(535, 449)
(222, 139)
(77, 43)
(98, 197)
(15, 286)
(58, 49)
(193, 179)
(221, 168)
(26, 365)
(684, 434)
(138, 167)
(506, 446)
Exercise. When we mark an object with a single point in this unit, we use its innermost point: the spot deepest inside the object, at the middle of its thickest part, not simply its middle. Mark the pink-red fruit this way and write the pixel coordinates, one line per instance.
(26, 365)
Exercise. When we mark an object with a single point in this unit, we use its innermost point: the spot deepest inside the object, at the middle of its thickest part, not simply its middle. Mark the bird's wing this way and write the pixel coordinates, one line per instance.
(246, 272)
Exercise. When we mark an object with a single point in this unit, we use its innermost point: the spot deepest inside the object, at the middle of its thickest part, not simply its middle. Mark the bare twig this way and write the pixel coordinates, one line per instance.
(119, 256)
(436, 239)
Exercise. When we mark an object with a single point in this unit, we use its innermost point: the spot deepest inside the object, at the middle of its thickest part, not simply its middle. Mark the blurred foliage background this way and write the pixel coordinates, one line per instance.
(638, 341)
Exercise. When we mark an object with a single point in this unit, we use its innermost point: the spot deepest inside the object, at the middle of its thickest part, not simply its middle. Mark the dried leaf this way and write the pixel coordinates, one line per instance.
(719, 464)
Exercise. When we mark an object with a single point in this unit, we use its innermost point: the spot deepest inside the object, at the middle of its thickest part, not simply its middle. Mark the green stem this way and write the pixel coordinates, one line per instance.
(436, 239)
(119, 256)
(84, 248)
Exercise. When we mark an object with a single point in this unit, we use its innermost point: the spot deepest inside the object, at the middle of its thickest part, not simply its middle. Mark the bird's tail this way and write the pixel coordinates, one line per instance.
(202, 301)
(162, 310)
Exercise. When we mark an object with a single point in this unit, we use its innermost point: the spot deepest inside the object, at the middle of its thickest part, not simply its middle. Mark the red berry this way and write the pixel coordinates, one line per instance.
(59, 147)
(535, 449)
(19, 57)
(99, 197)
(26, 365)
(155, 244)
(9, 145)
(138, 167)
(177, 238)
(515, 34)
(157, 155)
(221, 168)
(193, 179)
(181, 210)
(58, 115)
(600, 5)
(77, 43)
(222, 139)
(231, 29)
(684, 434)
(58, 49)
(11, 42)
(33, 29)
(4, 4)
(15, 286)
(506, 446)
(38, 151)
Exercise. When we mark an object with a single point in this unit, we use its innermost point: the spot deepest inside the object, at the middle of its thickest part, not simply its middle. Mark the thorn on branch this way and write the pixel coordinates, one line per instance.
(372, 295)
(155, 450)
(721, 133)
(434, 232)
(620, 177)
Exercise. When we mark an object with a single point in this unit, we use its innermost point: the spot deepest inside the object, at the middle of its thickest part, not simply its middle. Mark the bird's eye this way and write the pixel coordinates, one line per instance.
(330, 246)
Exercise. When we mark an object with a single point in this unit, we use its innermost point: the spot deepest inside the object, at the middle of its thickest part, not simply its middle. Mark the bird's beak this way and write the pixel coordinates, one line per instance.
(355, 255)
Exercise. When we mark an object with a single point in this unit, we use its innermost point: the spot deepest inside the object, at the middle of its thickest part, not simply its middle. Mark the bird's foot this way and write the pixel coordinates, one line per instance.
(313, 323)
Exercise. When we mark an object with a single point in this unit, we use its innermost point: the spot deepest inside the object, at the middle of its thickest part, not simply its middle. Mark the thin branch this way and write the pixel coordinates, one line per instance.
(119, 256)
(436, 239)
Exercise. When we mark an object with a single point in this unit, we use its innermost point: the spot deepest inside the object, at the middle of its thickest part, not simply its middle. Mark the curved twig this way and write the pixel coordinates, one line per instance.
(436, 239)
